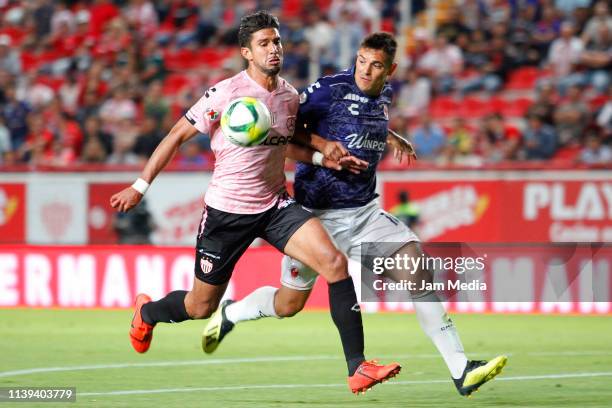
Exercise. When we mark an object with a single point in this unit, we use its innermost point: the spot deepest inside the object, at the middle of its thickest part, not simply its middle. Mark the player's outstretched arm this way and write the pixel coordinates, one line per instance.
(129, 197)
(401, 146)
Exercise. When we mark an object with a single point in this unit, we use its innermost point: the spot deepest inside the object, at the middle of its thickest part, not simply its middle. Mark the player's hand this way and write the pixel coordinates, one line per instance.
(126, 199)
(334, 151)
(353, 164)
(401, 147)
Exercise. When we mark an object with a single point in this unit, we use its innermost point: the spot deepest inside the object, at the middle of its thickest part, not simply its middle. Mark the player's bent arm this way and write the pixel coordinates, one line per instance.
(180, 133)
(129, 197)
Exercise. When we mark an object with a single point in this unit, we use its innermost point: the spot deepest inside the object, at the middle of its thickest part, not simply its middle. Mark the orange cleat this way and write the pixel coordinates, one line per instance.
(141, 333)
(369, 373)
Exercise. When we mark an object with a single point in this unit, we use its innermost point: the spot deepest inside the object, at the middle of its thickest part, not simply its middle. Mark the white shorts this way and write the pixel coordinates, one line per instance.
(348, 228)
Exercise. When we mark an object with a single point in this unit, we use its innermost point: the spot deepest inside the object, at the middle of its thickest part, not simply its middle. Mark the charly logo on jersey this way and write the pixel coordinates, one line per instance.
(363, 141)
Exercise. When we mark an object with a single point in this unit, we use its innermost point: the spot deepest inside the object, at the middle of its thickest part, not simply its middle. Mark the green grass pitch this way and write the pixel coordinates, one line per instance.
(554, 361)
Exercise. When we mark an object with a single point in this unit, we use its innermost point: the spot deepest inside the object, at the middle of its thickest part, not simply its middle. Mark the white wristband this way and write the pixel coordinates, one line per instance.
(317, 158)
(141, 186)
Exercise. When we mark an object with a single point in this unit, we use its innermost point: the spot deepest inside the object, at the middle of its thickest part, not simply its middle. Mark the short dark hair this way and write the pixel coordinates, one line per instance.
(381, 41)
(252, 23)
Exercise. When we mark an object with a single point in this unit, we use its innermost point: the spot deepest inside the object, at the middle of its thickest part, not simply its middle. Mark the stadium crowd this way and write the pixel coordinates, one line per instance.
(489, 81)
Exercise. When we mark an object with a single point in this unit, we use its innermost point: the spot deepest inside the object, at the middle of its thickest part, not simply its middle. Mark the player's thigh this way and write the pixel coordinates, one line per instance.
(312, 245)
(374, 229)
(296, 232)
(298, 276)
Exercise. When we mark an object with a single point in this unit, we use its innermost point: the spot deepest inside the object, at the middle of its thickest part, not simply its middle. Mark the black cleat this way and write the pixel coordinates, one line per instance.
(217, 328)
(477, 373)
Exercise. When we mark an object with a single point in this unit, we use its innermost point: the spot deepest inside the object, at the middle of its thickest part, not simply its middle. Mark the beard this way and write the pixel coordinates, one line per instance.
(270, 71)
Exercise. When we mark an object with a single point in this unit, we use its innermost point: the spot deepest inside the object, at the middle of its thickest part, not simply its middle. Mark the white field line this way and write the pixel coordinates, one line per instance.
(265, 359)
(303, 386)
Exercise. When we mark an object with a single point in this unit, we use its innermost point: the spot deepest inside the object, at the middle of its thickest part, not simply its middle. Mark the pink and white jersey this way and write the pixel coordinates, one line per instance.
(246, 180)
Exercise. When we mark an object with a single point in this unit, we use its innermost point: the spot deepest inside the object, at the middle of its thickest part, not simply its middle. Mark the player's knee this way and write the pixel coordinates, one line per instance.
(338, 267)
(289, 308)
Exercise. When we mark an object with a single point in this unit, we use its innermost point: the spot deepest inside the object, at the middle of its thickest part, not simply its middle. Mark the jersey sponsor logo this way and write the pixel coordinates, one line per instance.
(354, 109)
(356, 98)
(363, 141)
(277, 140)
(206, 265)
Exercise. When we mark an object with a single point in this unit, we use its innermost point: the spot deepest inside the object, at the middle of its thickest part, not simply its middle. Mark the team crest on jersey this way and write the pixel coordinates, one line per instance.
(303, 98)
(206, 265)
(211, 114)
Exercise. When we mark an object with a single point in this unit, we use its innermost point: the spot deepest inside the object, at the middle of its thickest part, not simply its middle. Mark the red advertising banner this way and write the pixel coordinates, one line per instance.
(509, 210)
(111, 276)
(12, 213)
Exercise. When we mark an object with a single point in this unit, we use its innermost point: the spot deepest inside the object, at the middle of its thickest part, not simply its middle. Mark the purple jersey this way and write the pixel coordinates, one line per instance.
(335, 108)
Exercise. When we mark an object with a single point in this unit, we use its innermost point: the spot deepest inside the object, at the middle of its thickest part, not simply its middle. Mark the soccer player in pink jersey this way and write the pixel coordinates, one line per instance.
(247, 199)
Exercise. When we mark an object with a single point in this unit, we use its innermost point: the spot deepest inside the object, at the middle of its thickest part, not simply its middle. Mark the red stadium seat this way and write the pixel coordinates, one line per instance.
(523, 78)
(474, 108)
(174, 83)
(444, 107)
(181, 60)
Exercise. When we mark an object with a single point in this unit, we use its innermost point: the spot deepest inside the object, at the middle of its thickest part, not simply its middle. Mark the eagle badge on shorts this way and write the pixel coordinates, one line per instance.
(205, 265)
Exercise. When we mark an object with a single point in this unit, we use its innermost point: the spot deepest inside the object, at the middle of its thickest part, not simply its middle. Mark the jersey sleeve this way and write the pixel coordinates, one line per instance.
(206, 111)
(314, 102)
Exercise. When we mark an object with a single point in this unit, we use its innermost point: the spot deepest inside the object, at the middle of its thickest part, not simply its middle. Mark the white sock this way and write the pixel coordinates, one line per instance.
(257, 304)
(442, 332)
